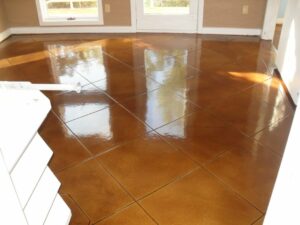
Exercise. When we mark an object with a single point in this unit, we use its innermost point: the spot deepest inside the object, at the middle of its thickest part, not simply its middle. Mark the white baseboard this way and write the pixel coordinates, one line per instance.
(68, 29)
(230, 31)
(121, 29)
(4, 34)
(165, 31)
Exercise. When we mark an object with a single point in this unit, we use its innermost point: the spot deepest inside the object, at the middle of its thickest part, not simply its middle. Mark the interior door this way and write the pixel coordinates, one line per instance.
(167, 15)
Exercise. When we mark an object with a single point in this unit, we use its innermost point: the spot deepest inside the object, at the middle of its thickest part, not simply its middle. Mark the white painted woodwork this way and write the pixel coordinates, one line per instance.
(28, 188)
(59, 213)
(288, 54)
(28, 171)
(285, 201)
(40, 203)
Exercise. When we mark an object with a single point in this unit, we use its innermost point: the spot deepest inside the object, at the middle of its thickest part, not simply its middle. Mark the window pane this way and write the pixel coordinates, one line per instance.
(72, 8)
(167, 7)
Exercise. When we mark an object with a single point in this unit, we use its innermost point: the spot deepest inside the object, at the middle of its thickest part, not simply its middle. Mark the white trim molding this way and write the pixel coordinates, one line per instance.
(5, 34)
(230, 31)
(126, 29)
(181, 31)
(272, 9)
(71, 29)
(121, 29)
(133, 14)
(62, 20)
(200, 15)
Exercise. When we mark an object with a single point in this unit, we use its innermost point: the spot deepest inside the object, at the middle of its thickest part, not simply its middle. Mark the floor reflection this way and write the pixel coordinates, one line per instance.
(100, 128)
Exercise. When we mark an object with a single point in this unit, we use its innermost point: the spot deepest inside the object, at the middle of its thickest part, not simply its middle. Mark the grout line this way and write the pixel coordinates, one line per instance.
(120, 184)
(118, 60)
(72, 133)
(258, 219)
(77, 204)
(169, 183)
(145, 211)
(229, 188)
(119, 210)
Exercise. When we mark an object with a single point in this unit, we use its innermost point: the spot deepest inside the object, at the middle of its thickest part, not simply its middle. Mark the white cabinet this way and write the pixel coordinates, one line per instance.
(28, 189)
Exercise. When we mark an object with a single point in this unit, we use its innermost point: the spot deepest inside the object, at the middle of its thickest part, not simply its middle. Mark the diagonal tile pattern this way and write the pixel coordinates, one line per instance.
(198, 199)
(160, 162)
(169, 128)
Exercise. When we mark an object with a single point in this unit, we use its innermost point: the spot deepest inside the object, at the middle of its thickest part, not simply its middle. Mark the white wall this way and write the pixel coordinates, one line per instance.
(285, 201)
(288, 58)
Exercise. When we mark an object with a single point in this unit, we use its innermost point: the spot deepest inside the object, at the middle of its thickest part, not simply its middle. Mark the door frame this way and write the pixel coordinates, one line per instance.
(270, 19)
(199, 26)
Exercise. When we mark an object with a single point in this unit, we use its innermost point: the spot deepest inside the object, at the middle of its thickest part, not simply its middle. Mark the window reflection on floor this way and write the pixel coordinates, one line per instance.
(100, 128)
(73, 61)
(70, 61)
(168, 68)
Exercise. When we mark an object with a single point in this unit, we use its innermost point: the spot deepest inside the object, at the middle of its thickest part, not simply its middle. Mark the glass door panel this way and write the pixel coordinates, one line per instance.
(167, 15)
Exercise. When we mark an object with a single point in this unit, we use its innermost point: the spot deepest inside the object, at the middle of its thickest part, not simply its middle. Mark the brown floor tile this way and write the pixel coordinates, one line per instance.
(103, 68)
(114, 45)
(201, 136)
(133, 57)
(73, 52)
(126, 85)
(107, 128)
(78, 216)
(10, 73)
(59, 38)
(272, 92)
(4, 63)
(146, 164)
(249, 169)
(133, 215)
(96, 193)
(159, 107)
(67, 150)
(18, 46)
(243, 75)
(276, 136)
(198, 199)
(46, 71)
(72, 105)
(207, 60)
(260, 221)
(155, 41)
(205, 89)
(138, 57)
(162, 80)
(249, 111)
(167, 70)
(234, 47)
(31, 57)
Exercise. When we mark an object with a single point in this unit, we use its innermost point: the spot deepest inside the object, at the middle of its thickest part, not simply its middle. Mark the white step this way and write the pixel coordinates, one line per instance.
(21, 114)
(10, 209)
(30, 168)
(41, 201)
(60, 214)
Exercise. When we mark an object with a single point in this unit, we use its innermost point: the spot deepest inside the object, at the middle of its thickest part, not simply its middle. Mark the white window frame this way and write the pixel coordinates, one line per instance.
(44, 21)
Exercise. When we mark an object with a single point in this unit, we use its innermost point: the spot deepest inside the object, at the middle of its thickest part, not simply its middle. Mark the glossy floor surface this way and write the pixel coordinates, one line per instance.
(169, 129)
